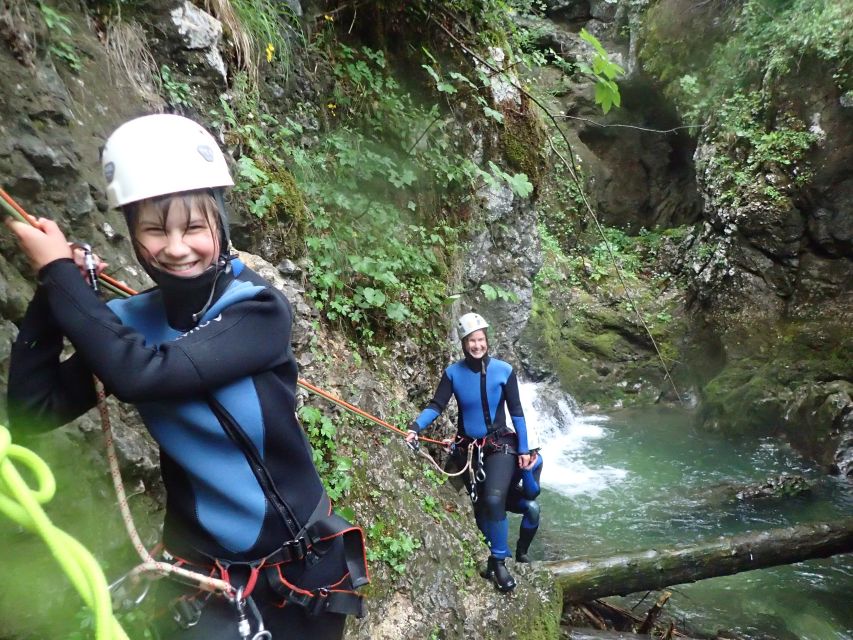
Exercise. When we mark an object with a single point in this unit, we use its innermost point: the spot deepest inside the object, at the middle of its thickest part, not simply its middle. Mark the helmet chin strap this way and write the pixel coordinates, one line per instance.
(223, 265)
(224, 233)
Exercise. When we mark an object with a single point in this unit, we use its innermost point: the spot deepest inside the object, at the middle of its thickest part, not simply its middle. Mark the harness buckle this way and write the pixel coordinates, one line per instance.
(319, 602)
(296, 549)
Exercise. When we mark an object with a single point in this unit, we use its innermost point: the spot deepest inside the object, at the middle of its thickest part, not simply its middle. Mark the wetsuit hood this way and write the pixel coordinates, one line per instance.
(186, 299)
(476, 364)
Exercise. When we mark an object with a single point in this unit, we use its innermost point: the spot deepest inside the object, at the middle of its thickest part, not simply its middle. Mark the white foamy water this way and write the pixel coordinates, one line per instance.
(564, 436)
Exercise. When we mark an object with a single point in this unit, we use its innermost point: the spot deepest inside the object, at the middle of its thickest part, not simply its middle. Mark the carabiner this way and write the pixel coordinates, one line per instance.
(89, 262)
(262, 633)
(480, 474)
(414, 445)
(244, 628)
(118, 588)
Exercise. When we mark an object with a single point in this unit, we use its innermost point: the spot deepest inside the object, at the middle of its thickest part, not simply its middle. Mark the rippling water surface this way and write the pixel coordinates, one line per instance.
(645, 478)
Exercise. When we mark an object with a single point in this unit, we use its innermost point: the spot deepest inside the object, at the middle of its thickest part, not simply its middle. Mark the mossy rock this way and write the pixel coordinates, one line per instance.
(522, 140)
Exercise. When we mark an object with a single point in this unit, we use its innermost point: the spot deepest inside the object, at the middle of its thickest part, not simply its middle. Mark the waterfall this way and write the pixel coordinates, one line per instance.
(565, 437)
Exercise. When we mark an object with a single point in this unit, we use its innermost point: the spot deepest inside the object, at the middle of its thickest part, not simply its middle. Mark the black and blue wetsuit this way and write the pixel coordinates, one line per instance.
(485, 389)
(190, 379)
(522, 499)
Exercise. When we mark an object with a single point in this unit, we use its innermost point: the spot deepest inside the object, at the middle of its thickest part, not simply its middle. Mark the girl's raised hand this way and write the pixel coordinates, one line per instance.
(43, 243)
(79, 255)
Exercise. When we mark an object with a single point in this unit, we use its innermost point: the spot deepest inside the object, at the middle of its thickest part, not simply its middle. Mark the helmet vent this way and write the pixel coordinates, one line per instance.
(109, 171)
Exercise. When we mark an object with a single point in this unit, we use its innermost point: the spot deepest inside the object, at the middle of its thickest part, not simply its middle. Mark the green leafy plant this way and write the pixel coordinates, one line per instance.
(273, 27)
(605, 73)
(59, 27)
(335, 469)
(392, 549)
(178, 93)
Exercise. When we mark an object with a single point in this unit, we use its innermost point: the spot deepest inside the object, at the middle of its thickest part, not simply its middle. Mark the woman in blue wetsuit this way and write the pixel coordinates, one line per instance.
(484, 388)
(522, 499)
(205, 357)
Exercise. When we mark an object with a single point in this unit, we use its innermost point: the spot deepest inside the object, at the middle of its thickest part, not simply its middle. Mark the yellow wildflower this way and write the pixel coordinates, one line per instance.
(328, 18)
(270, 51)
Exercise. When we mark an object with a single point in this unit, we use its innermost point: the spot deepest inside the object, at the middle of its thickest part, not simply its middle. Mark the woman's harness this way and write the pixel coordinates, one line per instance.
(500, 440)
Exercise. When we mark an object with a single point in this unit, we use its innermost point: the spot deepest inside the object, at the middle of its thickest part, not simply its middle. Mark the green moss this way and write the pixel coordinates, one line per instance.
(767, 373)
(286, 218)
(522, 140)
(544, 608)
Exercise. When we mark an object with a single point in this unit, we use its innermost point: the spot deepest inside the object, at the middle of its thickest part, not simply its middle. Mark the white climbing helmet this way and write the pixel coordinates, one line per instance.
(469, 323)
(160, 154)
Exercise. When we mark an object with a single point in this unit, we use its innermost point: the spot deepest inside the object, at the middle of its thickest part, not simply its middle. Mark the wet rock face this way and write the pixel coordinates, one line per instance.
(505, 252)
(642, 179)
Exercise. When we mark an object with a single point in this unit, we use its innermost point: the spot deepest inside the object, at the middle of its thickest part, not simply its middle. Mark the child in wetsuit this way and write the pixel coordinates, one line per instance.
(205, 357)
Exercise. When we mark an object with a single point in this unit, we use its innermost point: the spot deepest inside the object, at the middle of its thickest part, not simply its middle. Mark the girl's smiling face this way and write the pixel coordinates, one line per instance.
(477, 344)
(178, 236)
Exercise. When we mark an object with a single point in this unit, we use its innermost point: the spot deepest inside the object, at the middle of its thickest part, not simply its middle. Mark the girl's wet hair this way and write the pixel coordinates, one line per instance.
(204, 200)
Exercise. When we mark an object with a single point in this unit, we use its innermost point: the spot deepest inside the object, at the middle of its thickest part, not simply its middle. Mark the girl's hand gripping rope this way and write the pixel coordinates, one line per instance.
(43, 243)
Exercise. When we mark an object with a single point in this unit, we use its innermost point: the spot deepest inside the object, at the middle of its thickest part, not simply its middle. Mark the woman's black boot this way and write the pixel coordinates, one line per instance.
(525, 537)
(497, 572)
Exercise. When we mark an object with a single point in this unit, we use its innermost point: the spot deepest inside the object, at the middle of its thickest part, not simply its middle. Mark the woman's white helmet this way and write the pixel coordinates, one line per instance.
(469, 323)
(161, 154)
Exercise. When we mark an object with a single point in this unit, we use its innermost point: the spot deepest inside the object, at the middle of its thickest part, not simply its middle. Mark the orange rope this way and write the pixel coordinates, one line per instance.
(328, 396)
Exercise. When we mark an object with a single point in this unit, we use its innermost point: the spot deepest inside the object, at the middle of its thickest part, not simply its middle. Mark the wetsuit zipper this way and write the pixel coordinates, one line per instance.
(484, 397)
(259, 469)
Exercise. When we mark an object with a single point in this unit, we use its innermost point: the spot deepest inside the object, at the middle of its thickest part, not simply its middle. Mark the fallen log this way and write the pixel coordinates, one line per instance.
(593, 634)
(590, 578)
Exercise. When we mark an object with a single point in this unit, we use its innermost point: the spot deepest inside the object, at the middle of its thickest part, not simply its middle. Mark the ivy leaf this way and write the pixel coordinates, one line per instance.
(327, 429)
(520, 184)
(432, 72)
(489, 291)
(458, 76)
(373, 297)
(310, 415)
(252, 172)
(347, 513)
(590, 39)
(494, 115)
(445, 87)
(397, 311)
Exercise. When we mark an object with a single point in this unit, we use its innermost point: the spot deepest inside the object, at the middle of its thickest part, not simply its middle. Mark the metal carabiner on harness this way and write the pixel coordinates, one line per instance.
(480, 474)
(89, 262)
(262, 633)
(414, 445)
(244, 627)
(118, 588)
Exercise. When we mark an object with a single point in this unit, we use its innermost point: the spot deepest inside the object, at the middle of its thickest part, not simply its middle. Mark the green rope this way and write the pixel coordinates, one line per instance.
(22, 504)
(12, 212)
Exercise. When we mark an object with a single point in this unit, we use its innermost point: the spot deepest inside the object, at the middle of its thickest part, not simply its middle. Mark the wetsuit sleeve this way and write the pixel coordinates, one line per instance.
(516, 413)
(247, 337)
(44, 393)
(437, 404)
